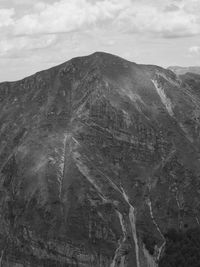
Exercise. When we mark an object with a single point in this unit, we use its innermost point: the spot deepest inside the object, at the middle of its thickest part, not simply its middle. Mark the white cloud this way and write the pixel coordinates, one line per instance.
(194, 49)
(67, 16)
(21, 44)
(174, 19)
(6, 17)
(154, 20)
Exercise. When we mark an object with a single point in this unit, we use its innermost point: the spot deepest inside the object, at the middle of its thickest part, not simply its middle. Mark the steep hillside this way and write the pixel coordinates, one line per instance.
(99, 160)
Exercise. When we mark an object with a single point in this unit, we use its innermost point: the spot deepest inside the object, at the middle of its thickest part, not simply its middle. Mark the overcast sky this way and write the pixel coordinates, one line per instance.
(36, 35)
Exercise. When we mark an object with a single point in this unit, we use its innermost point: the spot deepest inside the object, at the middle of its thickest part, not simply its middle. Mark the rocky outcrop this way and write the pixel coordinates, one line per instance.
(99, 158)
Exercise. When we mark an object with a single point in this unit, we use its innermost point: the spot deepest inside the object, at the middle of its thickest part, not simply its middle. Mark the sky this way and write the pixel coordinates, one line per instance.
(37, 35)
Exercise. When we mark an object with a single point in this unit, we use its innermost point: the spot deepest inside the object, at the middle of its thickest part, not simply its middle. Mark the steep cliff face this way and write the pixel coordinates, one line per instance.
(99, 158)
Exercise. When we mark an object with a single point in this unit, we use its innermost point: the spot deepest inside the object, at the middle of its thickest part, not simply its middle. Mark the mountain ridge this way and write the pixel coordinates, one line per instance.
(99, 159)
(97, 55)
(183, 70)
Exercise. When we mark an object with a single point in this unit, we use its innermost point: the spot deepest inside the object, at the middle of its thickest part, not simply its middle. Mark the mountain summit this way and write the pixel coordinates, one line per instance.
(99, 161)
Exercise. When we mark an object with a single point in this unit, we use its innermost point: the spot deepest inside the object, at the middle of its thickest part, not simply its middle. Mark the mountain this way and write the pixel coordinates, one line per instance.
(183, 70)
(99, 166)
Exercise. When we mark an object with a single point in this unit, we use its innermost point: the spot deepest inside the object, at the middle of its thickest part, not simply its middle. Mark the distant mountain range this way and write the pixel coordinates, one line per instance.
(100, 166)
(182, 70)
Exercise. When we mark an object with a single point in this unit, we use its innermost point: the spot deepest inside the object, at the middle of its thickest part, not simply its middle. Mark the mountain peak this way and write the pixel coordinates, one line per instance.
(99, 159)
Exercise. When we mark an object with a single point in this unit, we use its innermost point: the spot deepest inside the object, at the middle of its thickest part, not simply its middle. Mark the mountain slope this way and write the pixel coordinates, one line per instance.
(99, 158)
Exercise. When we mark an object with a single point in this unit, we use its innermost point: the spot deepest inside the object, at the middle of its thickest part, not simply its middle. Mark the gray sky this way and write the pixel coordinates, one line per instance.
(36, 35)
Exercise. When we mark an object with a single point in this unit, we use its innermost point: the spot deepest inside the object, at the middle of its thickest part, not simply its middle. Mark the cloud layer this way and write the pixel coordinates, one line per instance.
(67, 16)
(171, 20)
(175, 19)
(9, 47)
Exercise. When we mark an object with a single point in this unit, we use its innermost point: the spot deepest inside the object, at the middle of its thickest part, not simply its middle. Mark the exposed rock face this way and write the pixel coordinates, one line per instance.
(99, 157)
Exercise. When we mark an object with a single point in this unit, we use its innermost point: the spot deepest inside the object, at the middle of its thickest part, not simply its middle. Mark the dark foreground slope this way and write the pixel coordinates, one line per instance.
(99, 159)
